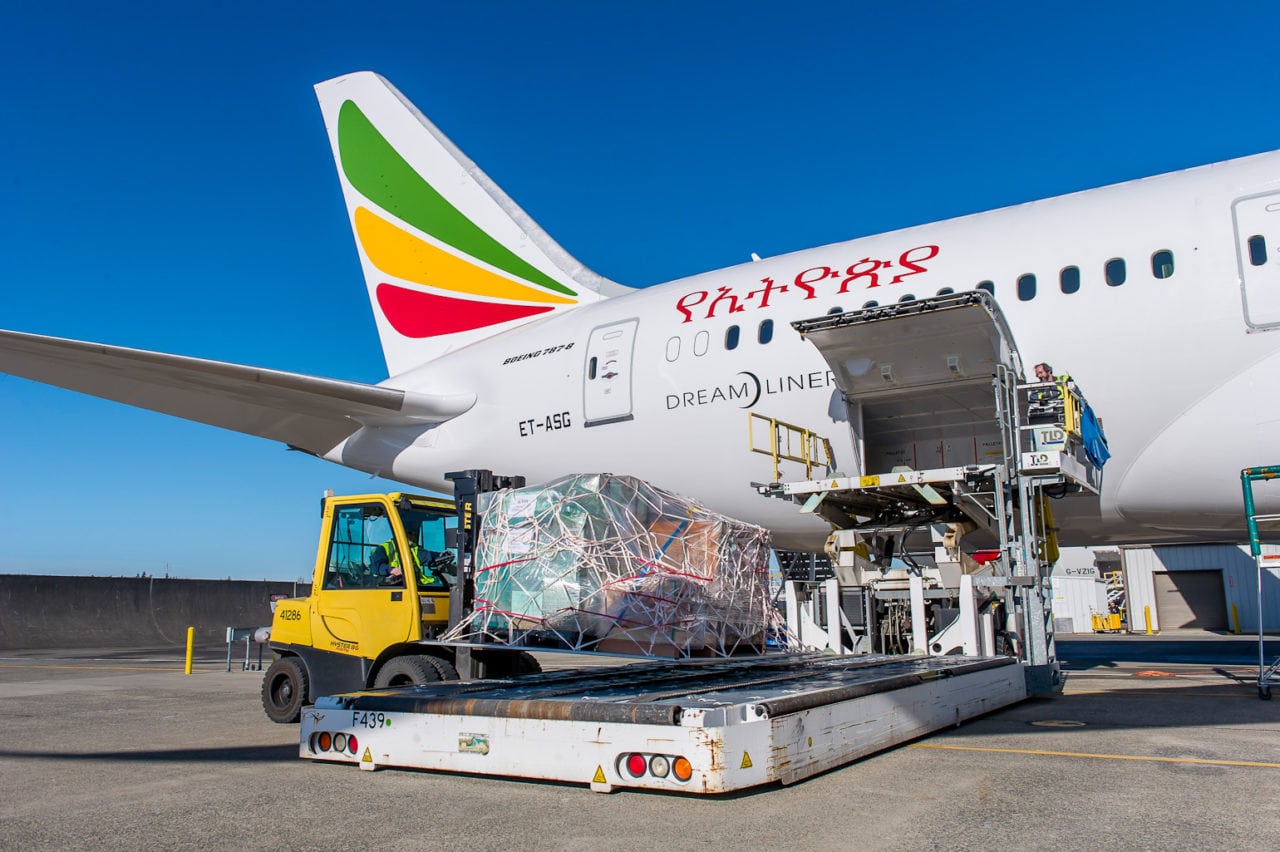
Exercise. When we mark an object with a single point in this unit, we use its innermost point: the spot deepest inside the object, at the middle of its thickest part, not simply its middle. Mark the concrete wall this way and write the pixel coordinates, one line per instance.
(38, 611)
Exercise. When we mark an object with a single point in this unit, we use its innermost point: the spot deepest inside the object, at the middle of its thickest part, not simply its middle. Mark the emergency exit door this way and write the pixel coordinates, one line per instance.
(607, 374)
(1257, 224)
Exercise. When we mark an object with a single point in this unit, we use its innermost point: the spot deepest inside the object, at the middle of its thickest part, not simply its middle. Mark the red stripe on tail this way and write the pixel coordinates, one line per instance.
(415, 313)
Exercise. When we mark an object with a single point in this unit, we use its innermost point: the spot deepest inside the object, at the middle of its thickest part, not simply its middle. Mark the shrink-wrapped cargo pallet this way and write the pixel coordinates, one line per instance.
(610, 563)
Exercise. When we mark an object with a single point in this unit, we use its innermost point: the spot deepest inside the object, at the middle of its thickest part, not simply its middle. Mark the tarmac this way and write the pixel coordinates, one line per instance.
(1156, 742)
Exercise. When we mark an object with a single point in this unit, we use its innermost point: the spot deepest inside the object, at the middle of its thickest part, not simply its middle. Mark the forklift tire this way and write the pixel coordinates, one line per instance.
(511, 664)
(413, 670)
(284, 690)
(445, 668)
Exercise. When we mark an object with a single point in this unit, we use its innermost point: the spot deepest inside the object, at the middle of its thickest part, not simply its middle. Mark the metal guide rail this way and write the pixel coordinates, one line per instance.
(1268, 675)
(693, 726)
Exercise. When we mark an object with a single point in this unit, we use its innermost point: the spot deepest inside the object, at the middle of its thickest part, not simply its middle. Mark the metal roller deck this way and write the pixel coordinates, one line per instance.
(696, 726)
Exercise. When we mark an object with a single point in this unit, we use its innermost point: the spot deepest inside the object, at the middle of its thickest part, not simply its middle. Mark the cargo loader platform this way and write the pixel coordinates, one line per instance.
(692, 726)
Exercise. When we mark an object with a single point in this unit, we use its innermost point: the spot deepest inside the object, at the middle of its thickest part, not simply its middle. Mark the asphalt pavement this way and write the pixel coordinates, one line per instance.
(1149, 746)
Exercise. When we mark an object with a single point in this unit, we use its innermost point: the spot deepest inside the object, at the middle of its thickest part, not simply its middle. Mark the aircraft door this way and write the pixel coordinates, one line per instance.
(1257, 223)
(606, 396)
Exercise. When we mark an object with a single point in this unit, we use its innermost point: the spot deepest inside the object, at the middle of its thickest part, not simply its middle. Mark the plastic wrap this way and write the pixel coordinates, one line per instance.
(608, 563)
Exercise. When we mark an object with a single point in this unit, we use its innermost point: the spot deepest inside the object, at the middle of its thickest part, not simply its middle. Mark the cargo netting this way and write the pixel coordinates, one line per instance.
(610, 563)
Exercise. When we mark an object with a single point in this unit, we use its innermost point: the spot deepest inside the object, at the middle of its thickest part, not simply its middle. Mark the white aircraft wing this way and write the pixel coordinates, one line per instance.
(306, 412)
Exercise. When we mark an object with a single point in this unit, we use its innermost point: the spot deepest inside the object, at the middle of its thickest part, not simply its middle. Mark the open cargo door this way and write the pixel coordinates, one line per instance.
(917, 379)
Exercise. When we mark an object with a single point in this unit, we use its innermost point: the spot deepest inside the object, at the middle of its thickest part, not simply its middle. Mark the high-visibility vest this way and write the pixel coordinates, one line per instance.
(393, 555)
(1071, 406)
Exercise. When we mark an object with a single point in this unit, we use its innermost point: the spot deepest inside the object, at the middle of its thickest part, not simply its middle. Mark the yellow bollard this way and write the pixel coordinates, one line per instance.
(1235, 619)
(191, 643)
(1146, 613)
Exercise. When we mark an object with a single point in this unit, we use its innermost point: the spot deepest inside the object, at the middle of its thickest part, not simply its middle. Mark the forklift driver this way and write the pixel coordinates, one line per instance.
(385, 562)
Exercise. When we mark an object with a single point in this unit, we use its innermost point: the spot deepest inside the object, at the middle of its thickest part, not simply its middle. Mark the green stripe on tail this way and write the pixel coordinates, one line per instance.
(379, 172)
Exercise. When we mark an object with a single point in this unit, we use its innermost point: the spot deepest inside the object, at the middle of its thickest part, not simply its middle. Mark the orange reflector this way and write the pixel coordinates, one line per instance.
(326, 740)
(682, 769)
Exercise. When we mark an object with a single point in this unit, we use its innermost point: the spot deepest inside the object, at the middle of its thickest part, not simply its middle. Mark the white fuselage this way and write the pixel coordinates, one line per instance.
(1184, 384)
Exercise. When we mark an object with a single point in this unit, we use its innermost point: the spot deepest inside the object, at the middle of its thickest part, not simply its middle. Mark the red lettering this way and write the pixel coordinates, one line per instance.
(854, 273)
(684, 309)
(766, 291)
(913, 264)
(725, 293)
(805, 280)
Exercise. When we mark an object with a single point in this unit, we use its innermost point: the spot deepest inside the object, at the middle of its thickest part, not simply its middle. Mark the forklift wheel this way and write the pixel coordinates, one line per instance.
(284, 690)
(510, 664)
(413, 670)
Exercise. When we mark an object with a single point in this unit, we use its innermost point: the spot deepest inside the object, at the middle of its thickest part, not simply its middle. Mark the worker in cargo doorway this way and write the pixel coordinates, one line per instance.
(1044, 373)
(1063, 386)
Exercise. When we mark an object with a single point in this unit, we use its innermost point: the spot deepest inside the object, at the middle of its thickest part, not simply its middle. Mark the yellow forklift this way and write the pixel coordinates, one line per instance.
(385, 583)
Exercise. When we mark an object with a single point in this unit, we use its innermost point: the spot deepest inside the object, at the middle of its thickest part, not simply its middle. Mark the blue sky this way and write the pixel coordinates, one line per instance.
(168, 185)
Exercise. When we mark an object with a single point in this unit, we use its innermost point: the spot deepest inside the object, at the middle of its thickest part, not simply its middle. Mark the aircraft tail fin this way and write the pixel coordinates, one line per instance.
(447, 256)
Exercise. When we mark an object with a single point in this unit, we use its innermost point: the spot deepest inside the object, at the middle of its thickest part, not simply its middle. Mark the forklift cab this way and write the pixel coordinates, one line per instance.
(384, 571)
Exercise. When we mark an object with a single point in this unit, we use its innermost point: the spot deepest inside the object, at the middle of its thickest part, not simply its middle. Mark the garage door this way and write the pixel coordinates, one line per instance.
(1190, 599)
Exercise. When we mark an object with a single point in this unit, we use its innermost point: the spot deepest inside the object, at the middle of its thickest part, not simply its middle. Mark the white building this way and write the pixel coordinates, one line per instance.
(1205, 586)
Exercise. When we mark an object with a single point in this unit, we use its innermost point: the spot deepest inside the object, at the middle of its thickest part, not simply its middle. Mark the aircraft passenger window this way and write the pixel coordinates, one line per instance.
(1257, 250)
(989, 286)
(908, 297)
(701, 342)
(766, 331)
(1115, 272)
(834, 311)
(673, 349)
(946, 291)
(591, 368)
(731, 337)
(1069, 279)
(872, 304)
(1162, 263)
(1027, 287)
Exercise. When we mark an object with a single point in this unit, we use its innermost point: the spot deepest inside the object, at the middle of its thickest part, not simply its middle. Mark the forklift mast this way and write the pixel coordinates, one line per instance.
(468, 485)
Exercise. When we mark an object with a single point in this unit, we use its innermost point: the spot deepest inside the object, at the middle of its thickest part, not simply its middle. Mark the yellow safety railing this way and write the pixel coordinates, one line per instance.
(1072, 407)
(788, 442)
(1062, 399)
